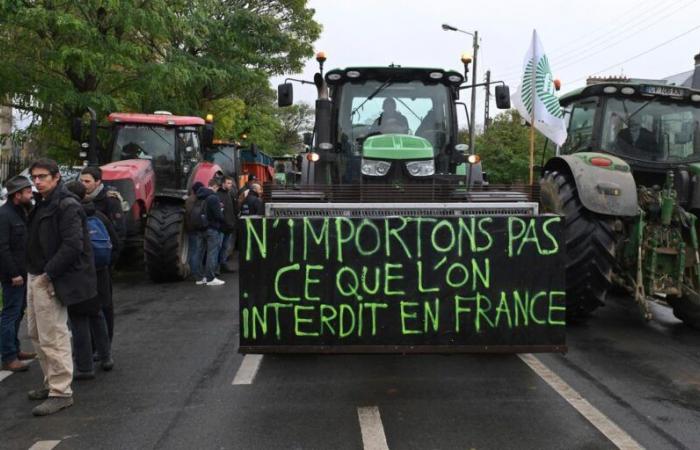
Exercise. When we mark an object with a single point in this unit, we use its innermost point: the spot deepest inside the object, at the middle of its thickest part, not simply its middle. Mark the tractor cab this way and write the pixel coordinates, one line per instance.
(394, 124)
(384, 125)
(171, 143)
(653, 127)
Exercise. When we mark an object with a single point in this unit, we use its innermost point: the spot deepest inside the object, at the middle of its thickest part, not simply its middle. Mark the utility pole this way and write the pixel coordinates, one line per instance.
(475, 51)
(472, 123)
(486, 100)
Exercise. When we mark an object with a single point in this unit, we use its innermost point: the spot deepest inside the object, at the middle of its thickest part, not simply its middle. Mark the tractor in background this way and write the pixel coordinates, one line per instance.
(628, 182)
(152, 160)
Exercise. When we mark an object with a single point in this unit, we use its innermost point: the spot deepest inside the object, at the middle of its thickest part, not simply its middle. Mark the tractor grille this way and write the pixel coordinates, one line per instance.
(436, 192)
(369, 210)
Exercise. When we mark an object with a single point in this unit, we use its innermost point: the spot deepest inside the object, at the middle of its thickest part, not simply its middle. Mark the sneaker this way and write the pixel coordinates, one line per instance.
(215, 282)
(201, 282)
(78, 375)
(52, 405)
(38, 394)
(107, 364)
(15, 366)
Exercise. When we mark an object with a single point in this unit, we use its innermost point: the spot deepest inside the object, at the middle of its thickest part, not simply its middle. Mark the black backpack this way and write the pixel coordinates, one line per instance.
(198, 215)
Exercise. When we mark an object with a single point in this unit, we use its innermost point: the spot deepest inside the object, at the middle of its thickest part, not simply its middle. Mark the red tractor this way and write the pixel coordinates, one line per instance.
(153, 160)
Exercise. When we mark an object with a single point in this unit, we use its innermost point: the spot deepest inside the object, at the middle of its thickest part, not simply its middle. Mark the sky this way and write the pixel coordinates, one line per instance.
(580, 37)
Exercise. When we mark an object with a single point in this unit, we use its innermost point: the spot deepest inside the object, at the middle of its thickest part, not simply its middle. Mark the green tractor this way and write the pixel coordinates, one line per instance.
(391, 241)
(628, 182)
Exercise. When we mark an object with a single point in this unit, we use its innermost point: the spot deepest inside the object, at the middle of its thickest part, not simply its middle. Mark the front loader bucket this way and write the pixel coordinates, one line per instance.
(402, 284)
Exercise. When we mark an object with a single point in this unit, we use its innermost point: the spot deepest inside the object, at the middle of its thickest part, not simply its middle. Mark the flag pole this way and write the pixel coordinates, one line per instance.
(533, 75)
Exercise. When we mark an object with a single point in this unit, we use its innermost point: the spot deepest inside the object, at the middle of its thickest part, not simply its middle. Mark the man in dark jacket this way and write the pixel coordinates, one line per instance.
(214, 235)
(87, 319)
(229, 226)
(13, 271)
(105, 201)
(61, 272)
(108, 204)
(253, 204)
(196, 235)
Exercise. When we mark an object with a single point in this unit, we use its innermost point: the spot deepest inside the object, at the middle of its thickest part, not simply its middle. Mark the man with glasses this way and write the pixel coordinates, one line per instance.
(61, 271)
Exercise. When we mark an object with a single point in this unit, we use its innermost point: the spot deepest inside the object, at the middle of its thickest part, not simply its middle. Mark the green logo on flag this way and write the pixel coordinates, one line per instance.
(544, 88)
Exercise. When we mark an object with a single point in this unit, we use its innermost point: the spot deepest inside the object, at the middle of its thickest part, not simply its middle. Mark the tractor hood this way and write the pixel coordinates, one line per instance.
(132, 169)
(397, 147)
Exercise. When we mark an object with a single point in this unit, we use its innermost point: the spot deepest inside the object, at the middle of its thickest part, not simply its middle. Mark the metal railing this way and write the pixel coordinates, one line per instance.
(11, 166)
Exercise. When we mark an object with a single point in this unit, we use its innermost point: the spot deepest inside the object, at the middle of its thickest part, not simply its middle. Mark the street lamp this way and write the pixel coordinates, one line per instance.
(475, 48)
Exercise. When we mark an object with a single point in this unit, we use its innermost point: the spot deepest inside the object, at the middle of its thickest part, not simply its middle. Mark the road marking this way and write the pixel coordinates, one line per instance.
(615, 434)
(44, 445)
(373, 437)
(249, 368)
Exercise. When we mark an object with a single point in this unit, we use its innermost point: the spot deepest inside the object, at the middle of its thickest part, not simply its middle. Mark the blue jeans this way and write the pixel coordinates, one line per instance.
(213, 240)
(223, 253)
(196, 247)
(14, 303)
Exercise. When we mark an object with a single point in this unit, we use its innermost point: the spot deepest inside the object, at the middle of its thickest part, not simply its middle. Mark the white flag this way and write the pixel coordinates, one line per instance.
(536, 94)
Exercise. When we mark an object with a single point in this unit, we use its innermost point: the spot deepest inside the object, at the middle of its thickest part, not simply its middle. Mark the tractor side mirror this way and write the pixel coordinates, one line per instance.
(285, 95)
(76, 129)
(503, 97)
(207, 136)
(308, 139)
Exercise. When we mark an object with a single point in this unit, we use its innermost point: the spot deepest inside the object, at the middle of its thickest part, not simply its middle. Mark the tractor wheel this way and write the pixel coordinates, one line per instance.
(165, 243)
(590, 245)
(687, 307)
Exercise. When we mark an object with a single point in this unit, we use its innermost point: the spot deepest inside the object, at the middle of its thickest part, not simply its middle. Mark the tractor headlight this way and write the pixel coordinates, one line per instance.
(375, 168)
(421, 168)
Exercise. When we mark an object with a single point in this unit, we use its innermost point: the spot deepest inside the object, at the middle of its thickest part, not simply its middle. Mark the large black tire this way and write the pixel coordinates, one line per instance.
(165, 243)
(590, 245)
(687, 307)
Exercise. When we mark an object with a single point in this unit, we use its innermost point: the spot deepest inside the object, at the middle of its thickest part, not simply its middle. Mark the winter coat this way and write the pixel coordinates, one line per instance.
(59, 245)
(229, 212)
(215, 215)
(253, 205)
(13, 241)
(111, 207)
(103, 298)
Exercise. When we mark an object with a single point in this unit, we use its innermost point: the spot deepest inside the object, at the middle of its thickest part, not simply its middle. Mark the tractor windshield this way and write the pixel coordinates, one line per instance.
(652, 129)
(381, 107)
(144, 142)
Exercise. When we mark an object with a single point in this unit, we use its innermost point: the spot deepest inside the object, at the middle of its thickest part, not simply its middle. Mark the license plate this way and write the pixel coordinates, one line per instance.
(668, 91)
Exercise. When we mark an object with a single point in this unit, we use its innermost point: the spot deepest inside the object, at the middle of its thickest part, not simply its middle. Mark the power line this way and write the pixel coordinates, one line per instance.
(576, 57)
(594, 52)
(654, 9)
(583, 56)
(640, 54)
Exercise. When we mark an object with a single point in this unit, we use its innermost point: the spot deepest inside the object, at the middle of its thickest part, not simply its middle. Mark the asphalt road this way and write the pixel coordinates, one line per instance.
(176, 360)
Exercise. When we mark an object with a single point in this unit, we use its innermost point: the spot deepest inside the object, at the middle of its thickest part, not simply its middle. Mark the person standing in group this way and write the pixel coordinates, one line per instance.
(109, 205)
(105, 200)
(253, 204)
(229, 225)
(214, 235)
(61, 272)
(87, 320)
(196, 226)
(13, 271)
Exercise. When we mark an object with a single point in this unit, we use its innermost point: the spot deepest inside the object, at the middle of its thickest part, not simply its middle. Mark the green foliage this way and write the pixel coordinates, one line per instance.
(188, 57)
(504, 149)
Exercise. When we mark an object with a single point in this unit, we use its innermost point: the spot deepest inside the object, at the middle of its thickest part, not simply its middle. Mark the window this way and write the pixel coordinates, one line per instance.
(580, 134)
